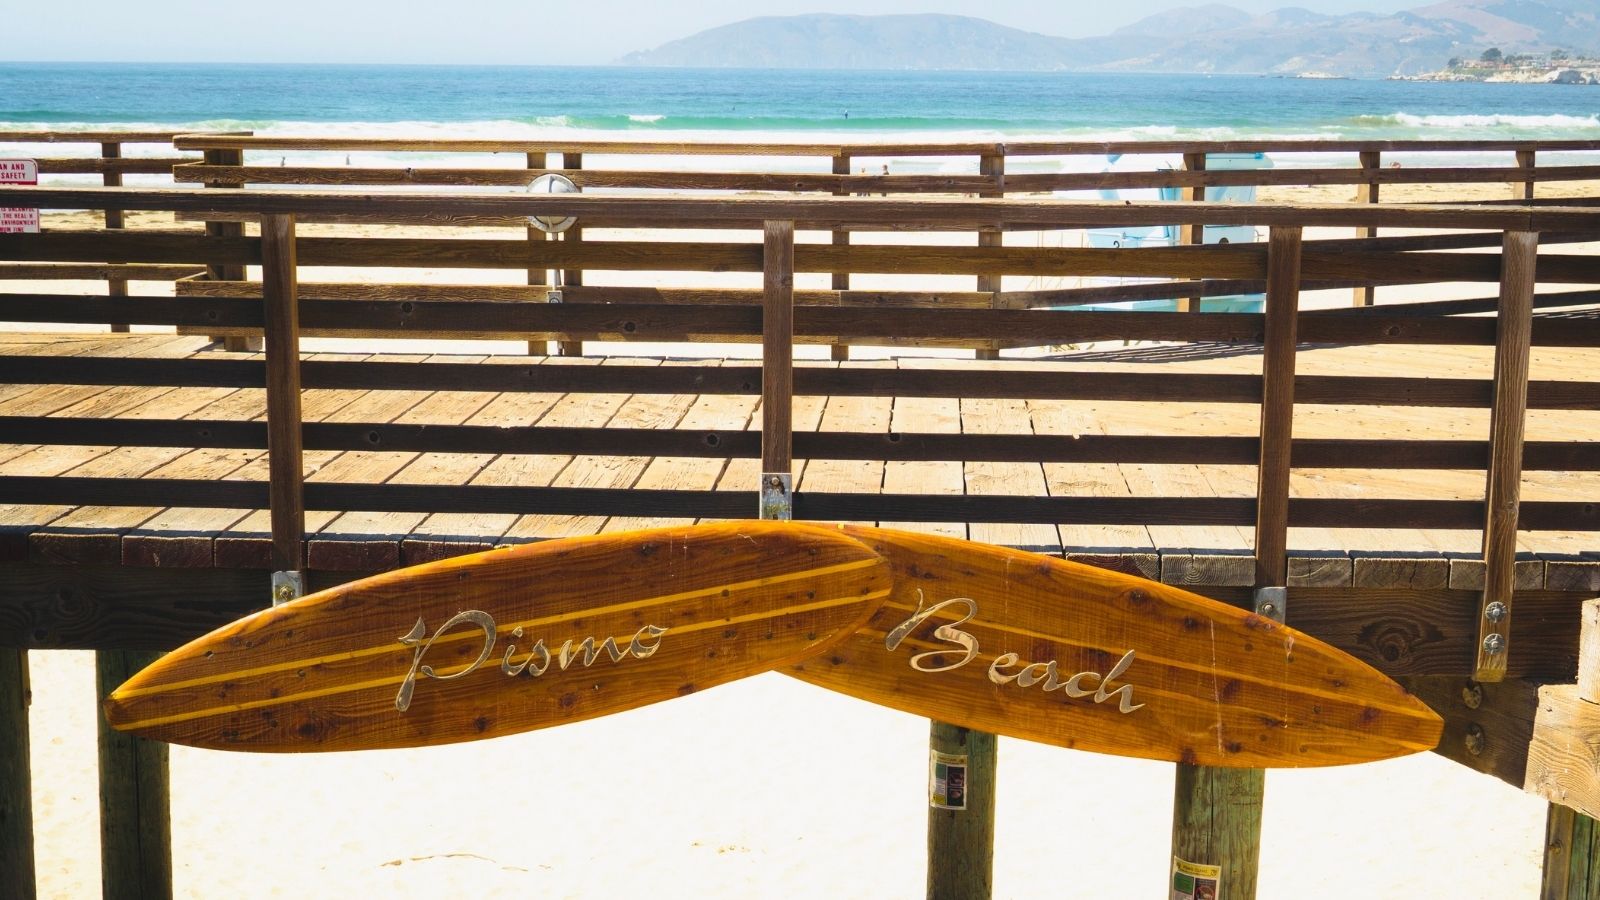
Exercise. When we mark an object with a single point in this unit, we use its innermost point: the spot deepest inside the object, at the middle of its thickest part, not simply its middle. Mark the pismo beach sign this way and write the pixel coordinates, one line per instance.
(976, 635)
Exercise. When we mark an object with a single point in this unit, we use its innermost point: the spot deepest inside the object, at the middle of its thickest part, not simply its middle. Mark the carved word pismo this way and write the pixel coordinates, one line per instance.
(1003, 670)
(644, 643)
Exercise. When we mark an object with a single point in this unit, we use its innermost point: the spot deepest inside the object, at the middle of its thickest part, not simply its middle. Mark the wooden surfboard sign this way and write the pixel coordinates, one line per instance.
(510, 640)
(1039, 648)
(1013, 643)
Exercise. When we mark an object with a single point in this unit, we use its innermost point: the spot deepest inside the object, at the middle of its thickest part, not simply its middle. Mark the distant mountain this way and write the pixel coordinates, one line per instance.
(1210, 38)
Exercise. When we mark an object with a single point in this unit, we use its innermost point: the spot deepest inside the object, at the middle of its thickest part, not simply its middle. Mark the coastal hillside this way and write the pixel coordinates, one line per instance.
(1202, 39)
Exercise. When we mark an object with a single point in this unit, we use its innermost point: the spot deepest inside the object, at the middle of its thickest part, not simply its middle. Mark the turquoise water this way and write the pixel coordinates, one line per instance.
(514, 101)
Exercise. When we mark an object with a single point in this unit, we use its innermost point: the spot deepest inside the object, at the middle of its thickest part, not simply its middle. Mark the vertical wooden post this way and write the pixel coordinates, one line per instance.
(777, 348)
(1216, 818)
(228, 229)
(135, 814)
(992, 166)
(1192, 234)
(537, 276)
(115, 287)
(961, 841)
(1526, 159)
(571, 277)
(1371, 162)
(840, 352)
(16, 775)
(279, 287)
(1503, 492)
(1277, 405)
(1217, 821)
(1571, 856)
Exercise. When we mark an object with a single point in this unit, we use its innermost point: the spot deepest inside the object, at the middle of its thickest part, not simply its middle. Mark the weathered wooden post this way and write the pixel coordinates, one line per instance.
(1193, 233)
(1571, 856)
(135, 807)
(992, 166)
(280, 292)
(1503, 492)
(961, 836)
(1216, 822)
(571, 277)
(1526, 160)
(233, 157)
(115, 287)
(536, 161)
(1371, 161)
(840, 352)
(16, 775)
(777, 370)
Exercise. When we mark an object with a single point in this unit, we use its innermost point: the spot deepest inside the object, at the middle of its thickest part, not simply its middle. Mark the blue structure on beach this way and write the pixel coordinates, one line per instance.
(1167, 235)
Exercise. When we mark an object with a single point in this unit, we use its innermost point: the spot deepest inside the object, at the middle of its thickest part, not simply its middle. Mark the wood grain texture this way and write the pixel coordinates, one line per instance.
(284, 441)
(135, 812)
(1277, 407)
(1503, 494)
(1571, 856)
(777, 349)
(1288, 699)
(961, 841)
(16, 778)
(1217, 821)
(1564, 755)
(323, 673)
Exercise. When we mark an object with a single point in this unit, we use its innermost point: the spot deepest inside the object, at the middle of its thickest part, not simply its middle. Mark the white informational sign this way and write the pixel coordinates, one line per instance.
(18, 221)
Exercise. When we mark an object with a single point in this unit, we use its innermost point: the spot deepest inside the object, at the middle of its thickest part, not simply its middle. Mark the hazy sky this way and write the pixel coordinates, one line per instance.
(490, 31)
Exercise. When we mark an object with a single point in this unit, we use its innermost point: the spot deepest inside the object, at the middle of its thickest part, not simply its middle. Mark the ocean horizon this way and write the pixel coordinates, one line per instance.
(633, 103)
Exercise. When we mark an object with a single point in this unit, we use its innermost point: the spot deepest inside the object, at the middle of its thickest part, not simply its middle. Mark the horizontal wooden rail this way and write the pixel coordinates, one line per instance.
(189, 170)
(688, 322)
(868, 150)
(90, 137)
(893, 446)
(689, 212)
(1459, 393)
(124, 166)
(99, 272)
(1305, 512)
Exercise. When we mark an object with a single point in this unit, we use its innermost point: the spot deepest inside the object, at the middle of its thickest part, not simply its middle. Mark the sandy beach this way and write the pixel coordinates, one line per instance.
(763, 788)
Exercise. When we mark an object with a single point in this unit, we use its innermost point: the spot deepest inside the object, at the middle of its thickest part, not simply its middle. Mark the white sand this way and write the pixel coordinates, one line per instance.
(763, 788)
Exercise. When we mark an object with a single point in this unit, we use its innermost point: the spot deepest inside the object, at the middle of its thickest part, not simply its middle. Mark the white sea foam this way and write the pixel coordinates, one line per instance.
(646, 119)
(1496, 120)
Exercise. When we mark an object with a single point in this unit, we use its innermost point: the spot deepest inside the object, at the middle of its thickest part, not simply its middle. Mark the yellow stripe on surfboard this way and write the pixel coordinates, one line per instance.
(508, 627)
(396, 679)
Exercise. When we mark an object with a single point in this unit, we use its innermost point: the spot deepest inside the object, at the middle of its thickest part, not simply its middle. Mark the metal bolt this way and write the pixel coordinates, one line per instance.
(1494, 643)
(1270, 610)
(775, 482)
(283, 593)
(1495, 611)
(1475, 740)
(1472, 695)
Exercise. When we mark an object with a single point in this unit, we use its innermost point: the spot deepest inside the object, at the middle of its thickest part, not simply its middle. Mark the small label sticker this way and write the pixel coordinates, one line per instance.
(14, 220)
(1194, 881)
(947, 780)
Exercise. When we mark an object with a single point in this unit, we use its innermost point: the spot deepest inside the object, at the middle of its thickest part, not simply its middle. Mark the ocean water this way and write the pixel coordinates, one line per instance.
(682, 104)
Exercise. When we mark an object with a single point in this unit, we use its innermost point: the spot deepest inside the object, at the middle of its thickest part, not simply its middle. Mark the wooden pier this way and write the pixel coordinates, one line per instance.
(1413, 474)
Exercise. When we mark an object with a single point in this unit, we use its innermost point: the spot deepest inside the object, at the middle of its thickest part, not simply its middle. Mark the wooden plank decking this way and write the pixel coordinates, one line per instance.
(1202, 555)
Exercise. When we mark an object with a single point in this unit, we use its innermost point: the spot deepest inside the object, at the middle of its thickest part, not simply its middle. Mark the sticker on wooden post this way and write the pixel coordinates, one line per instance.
(947, 780)
(1195, 881)
(15, 220)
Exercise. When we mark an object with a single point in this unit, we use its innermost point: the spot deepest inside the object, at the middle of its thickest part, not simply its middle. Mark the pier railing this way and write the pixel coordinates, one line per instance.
(1494, 614)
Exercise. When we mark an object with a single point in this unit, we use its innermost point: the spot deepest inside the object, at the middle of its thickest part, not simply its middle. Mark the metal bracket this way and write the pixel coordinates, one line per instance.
(552, 296)
(777, 496)
(1272, 603)
(287, 586)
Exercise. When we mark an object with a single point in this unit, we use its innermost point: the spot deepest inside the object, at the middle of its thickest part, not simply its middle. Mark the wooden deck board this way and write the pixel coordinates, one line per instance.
(1202, 555)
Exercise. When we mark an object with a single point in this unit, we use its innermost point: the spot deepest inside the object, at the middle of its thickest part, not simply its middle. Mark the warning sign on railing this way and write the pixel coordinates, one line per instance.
(18, 221)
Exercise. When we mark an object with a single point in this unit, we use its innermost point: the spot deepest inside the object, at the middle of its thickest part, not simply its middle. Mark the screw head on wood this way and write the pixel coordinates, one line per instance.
(1472, 695)
(1494, 643)
(1475, 740)
(1495, 611)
